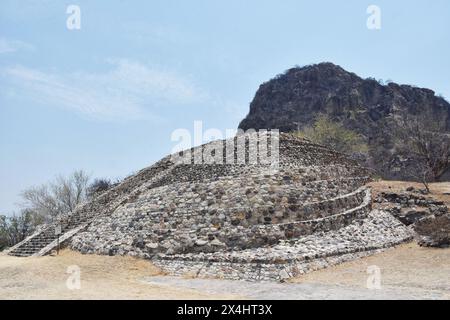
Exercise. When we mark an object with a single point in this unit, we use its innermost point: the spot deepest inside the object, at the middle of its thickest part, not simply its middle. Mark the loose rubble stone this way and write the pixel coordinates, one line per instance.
(410, 208)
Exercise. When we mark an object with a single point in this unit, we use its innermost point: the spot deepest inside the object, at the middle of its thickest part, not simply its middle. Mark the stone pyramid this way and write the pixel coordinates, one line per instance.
(232, 215)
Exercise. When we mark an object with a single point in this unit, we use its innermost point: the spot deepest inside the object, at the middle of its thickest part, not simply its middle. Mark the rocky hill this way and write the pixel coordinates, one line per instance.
(292, 100)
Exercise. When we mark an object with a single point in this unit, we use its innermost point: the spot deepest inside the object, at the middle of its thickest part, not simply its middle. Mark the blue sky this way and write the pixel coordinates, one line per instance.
(107, 97)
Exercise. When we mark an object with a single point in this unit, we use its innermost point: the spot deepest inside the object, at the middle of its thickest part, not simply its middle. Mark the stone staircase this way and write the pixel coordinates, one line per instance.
(45, 239)
(33, 246)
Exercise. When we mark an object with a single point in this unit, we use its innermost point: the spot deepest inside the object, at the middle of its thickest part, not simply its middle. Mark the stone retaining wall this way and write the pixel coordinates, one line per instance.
(201, 219)
(372, 234)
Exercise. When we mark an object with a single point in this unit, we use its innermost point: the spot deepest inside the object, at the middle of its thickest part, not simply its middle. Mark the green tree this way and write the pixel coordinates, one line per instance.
(334, 135)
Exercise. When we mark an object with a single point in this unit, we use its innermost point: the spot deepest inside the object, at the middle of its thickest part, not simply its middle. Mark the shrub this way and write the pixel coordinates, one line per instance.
(334, 135)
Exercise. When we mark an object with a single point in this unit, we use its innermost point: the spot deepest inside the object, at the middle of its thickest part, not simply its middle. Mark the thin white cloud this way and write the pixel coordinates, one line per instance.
(144, 32)
(129, 90)
(9, 46)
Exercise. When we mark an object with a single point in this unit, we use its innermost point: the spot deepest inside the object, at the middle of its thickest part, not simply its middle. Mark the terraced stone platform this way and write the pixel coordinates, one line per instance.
(289, 258)
(237, 219)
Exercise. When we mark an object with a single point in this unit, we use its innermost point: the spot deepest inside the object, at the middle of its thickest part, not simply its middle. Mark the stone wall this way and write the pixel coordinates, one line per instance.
(367, 235)
(226, 213)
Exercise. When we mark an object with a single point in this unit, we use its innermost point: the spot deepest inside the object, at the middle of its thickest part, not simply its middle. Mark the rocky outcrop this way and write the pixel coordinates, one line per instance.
(292, 100)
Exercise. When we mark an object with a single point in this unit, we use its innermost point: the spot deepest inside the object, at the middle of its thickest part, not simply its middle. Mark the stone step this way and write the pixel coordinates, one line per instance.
(25, 252)
(38, 243)
(45, 238)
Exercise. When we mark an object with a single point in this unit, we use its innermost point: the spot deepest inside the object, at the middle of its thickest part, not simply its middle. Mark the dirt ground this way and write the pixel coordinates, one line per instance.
(101, 277)
(407, 266)
(407, 272)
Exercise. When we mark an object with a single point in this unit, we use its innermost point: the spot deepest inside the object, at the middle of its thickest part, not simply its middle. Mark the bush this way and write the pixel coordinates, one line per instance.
(333, 134)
